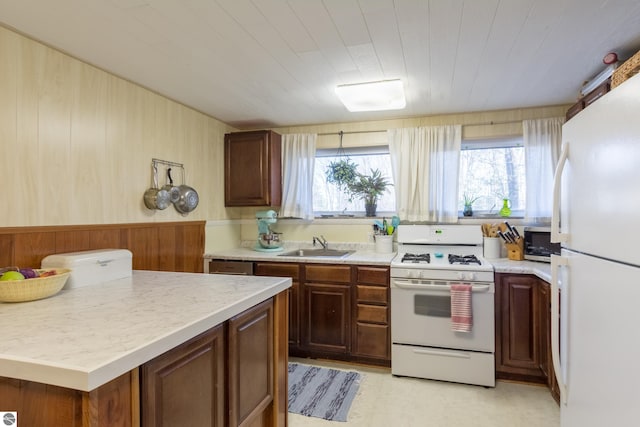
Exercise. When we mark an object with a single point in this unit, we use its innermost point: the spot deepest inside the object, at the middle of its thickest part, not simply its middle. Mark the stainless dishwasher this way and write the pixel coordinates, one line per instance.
(220, 266)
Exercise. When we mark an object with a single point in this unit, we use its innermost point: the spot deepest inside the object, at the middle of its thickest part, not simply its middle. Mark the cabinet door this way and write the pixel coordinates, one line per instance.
(518, 352)
(185, 386)
(327, 318)
(279, 269)
(251, 367)
(252, 169)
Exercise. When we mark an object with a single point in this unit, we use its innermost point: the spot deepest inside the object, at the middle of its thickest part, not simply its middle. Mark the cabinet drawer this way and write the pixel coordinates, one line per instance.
(375, 294)
(278, 270)
(372, 341)
(328, 273)
(372, 313)
(373, 275)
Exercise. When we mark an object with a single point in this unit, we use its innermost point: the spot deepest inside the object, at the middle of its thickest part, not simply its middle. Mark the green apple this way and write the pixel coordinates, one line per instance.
(12, 275)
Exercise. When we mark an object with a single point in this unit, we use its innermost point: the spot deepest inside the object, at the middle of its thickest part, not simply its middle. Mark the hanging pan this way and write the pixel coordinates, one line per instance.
(154, 197)
(188, 200)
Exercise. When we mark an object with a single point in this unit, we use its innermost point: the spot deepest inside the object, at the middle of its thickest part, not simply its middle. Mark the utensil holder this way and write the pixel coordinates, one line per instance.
(492, 247)
(384, 244)
(515, 251)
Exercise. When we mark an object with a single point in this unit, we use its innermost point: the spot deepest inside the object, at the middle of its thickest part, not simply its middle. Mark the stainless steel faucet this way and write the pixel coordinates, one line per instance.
(323, 242)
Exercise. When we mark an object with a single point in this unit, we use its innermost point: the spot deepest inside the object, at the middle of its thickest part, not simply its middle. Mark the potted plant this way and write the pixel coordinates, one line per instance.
(341, 173)
(369, 188)
(468, 204)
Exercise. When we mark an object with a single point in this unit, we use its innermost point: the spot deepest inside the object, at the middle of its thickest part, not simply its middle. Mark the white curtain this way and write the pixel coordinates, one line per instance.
(425, 163)
(542, 141)
(298, 159)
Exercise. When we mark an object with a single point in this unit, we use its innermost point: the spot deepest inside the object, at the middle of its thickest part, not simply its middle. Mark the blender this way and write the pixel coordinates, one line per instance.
(268, 240)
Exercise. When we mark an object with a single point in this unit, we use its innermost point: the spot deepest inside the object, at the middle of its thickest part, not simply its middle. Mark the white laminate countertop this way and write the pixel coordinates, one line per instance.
(248, 254)
(84, 337)
(539, 269)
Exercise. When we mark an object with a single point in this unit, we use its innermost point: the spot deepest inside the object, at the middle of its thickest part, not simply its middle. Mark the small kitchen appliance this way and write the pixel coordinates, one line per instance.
(430, 260)
(268, 240)
(537, 244)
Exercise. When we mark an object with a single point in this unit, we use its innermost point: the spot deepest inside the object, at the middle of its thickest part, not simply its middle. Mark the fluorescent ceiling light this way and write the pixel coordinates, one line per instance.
(372, 96)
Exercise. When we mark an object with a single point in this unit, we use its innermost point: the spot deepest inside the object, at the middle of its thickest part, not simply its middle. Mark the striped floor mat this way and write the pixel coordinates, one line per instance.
(321, 392)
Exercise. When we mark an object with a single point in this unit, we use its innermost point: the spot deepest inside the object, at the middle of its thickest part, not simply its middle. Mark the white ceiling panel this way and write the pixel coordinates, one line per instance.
(256, 63)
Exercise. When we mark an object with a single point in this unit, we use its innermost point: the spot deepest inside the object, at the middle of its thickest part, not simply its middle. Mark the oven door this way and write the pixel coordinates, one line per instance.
(421, 315)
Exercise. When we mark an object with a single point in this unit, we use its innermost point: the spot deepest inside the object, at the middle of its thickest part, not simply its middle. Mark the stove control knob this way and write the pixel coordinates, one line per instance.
(460, 275)
(412, 274)
(471, 276)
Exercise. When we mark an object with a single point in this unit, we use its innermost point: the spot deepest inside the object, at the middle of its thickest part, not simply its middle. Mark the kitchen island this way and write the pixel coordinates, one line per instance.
(92, 345)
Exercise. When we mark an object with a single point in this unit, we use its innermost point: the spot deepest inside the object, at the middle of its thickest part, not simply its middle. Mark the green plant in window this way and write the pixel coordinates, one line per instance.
(369, 188)
(342, 173)
(468, 204)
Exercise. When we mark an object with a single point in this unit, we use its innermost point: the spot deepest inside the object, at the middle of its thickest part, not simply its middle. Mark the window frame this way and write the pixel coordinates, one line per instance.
(491, 143)
(347, 152)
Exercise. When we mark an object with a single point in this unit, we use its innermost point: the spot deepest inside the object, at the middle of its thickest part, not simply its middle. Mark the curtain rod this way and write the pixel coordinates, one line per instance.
(502, 122)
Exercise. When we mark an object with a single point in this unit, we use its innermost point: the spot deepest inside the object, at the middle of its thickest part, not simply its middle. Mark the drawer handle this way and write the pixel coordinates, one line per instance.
(443, 353)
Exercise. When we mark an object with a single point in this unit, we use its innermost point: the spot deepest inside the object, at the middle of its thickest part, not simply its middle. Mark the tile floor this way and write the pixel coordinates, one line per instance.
(387, 401)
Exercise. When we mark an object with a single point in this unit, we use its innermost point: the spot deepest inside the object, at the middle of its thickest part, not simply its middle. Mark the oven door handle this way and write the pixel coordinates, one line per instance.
(403, 284)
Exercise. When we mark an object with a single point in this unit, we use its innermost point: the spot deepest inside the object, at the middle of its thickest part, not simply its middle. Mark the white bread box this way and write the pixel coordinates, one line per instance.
(92, 267)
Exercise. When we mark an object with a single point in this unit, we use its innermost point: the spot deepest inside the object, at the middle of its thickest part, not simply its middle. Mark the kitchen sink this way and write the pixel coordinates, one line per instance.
(328, 253)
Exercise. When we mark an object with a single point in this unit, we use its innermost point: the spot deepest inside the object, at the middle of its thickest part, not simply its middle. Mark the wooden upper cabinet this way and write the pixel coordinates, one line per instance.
(252, 169)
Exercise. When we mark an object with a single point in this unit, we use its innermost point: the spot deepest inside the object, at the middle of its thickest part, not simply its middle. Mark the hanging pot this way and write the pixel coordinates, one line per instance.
(188, 200)
(154, 197)
(174, 192)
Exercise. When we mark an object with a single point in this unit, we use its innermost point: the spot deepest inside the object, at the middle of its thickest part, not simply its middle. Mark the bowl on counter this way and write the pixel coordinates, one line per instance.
(34, 289)
(270, 240)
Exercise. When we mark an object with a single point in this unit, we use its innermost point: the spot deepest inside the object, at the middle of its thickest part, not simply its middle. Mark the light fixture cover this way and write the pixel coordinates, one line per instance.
(372, 96)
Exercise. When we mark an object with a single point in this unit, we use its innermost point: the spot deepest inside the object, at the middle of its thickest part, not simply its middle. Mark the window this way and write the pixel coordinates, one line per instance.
(329, 200)
(491, 170)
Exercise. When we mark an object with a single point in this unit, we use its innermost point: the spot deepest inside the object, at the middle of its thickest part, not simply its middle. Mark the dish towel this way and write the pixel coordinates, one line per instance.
(461, 319)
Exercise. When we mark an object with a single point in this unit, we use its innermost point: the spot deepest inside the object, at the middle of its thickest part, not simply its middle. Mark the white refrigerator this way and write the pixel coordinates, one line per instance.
(596, 218)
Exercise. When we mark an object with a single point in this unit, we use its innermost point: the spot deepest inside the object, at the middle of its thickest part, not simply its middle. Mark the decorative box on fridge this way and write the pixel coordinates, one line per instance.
(630, 68)
(92, 267)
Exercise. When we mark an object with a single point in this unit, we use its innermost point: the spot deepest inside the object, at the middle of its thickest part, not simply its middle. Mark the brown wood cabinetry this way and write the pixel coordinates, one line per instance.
(523, 328)
(326, 313)
(252, 169)
(251, 367)
(280, 269)
(337, 311)
(186, 384)
(234, 378)
(112, 404)
(371, 333)
(518, 334)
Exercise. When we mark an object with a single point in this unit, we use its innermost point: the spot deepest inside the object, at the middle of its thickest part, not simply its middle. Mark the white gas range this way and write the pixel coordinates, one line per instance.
(430, 259)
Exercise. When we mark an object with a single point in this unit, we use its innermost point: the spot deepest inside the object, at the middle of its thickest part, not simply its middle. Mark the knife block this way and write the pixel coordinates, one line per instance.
(515, 251)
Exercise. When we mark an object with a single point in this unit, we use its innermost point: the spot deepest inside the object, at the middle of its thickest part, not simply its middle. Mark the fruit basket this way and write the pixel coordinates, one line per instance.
(34, 289)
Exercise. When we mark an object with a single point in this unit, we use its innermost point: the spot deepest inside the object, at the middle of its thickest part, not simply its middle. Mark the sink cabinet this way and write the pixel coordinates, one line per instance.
(252, 169)
(326, 315)
(336, 311)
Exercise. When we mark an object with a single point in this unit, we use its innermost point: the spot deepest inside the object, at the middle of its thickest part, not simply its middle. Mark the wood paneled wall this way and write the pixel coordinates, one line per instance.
(169, 246)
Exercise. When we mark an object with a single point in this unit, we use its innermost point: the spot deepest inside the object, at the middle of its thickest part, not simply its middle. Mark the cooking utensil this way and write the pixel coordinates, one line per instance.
(154, 197)
(174, 192)
(188, 199)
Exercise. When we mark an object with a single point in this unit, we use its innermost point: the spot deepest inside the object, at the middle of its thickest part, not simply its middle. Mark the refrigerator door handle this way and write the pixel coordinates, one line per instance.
(556, 315)
(556, 235)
